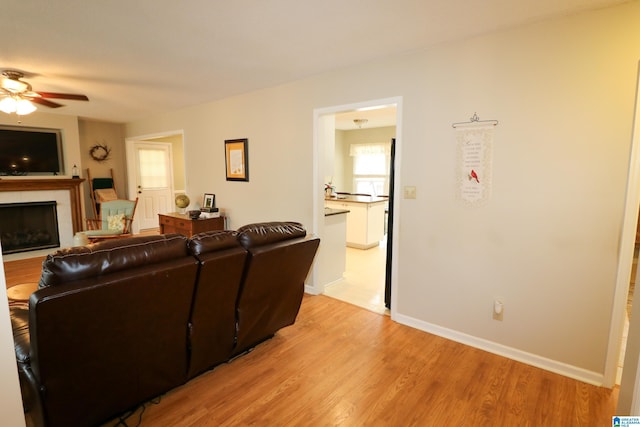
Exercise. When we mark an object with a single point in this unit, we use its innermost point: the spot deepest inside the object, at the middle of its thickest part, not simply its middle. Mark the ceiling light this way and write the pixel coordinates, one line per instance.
(360, 122)
(17, 105)
(24, 107)
(8, 105)
(15, 86)
(12, 83)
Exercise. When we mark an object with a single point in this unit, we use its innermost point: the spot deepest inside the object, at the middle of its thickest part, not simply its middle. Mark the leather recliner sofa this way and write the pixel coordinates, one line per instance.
(117, 323)
(278, 261)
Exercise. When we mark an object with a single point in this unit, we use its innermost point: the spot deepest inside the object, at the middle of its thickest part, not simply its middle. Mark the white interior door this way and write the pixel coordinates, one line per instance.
(154, 182)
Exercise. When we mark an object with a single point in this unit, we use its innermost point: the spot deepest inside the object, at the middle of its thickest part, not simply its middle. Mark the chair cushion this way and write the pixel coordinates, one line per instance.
(105, 194)
(115, 222)
(100, 233)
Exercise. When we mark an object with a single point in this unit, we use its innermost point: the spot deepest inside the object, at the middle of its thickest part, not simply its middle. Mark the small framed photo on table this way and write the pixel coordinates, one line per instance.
(237, 159)
(209, 201)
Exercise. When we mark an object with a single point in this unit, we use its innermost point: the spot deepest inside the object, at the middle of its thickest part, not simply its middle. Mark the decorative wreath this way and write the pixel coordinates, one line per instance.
(100, 152)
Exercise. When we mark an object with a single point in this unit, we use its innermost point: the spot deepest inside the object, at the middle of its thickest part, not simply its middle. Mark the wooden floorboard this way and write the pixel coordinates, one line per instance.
(23, 271)
(341, 365)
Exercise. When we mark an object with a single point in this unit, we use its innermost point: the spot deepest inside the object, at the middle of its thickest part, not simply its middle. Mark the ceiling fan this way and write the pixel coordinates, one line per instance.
(16, 93)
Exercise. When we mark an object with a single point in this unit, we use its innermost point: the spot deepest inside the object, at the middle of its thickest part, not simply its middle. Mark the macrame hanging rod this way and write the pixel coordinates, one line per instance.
(474, 119)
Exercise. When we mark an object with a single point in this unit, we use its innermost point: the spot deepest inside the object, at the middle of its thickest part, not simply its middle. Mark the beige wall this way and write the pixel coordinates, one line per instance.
(92, 133)
(547, 243)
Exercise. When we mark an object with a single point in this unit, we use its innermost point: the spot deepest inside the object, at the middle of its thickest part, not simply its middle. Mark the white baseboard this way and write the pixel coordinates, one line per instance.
(310, 290)
(554, 366)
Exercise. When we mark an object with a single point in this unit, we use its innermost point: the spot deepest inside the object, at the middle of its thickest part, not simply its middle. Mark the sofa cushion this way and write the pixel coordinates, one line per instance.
(212, 324)
(263, 233)
(20, 325)
(110, 256)
(211, 241)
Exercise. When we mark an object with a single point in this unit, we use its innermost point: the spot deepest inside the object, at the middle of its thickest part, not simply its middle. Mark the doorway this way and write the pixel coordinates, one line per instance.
(361, 128)
(153, 176)
(155, 170)
(629, 396)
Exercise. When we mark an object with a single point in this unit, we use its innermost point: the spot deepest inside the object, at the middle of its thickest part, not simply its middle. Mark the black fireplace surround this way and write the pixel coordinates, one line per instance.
(28, 226)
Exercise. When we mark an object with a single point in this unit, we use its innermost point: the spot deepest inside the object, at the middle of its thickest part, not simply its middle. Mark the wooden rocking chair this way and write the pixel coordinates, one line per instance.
(115, 220)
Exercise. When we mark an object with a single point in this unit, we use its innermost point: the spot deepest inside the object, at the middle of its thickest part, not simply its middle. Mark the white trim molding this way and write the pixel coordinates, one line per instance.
(554, 366)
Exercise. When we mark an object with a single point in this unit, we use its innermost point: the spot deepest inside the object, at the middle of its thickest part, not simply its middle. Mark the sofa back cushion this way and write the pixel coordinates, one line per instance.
(102, 344)
(279, 259)
(263, 233)
(212, 324)
(110, 256)
(211, 241)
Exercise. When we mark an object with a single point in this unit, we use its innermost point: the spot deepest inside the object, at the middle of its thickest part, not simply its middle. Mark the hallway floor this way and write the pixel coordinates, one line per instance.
(363, 280)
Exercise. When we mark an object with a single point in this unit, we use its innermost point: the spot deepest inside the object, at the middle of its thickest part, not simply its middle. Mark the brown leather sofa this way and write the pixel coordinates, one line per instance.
(278, 261)
(117, 323)
(212, 326)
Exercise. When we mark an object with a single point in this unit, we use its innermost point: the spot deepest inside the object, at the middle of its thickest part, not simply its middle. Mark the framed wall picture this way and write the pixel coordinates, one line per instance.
(209, 201)
(237, 159)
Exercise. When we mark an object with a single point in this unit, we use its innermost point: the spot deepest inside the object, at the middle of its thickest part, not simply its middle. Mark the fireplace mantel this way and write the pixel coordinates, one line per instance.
(33, 184)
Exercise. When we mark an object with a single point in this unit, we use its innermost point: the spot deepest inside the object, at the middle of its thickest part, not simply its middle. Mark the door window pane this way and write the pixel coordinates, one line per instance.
(153, 169)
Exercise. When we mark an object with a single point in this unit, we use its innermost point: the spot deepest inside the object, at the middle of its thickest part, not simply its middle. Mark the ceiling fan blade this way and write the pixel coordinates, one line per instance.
(63, 96)
(45, 102)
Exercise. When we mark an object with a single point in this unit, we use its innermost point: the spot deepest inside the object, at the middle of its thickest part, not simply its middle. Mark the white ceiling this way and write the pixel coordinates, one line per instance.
(136, 58)
(375, 117)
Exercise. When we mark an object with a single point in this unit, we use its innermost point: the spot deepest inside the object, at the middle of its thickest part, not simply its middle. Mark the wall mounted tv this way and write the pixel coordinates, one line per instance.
(30, 151)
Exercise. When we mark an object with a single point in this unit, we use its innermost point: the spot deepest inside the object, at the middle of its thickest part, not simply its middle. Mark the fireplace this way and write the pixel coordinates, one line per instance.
(65, 191)
(28, 226)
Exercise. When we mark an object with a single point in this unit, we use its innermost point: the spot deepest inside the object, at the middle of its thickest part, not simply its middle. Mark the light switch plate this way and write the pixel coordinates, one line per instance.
(409, 192)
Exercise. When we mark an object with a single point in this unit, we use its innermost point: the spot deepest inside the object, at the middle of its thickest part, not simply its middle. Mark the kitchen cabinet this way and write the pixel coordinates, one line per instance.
(365, 220)
(332, 256)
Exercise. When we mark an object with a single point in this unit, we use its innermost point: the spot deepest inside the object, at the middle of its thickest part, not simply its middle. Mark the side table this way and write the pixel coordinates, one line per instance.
(21, 292)
(181, 223)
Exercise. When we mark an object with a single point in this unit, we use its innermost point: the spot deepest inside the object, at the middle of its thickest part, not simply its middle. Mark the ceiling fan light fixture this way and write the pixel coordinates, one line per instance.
(24, 107)
(8, 105)
(11, 86)
(14, 85)
(360, 122)
(20, 106)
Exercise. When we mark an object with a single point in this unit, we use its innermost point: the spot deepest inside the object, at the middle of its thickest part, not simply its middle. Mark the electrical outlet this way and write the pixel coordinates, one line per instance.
(409, 192)
(498, 309)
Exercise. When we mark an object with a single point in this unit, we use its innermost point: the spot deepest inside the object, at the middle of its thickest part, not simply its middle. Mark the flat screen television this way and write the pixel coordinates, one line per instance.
(30, 151)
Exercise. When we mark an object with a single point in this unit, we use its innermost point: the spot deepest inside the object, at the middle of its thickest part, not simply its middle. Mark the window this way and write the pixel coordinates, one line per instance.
(371, 168)
(153, 170)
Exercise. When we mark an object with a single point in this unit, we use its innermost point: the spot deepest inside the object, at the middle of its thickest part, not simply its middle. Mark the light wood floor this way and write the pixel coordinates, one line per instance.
(341, 365)
(362, 283)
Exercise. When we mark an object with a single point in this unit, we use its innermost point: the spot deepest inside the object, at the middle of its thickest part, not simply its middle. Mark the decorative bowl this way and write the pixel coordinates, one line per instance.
(194, 214)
